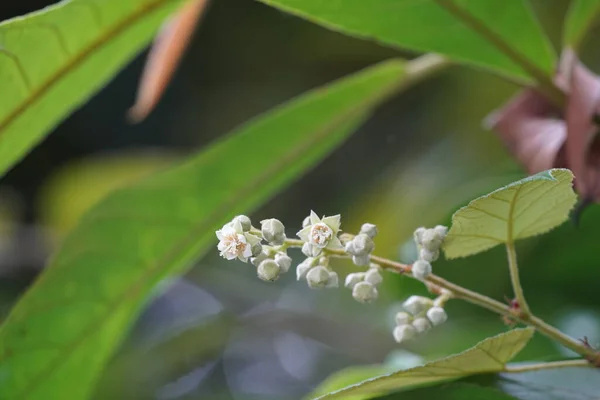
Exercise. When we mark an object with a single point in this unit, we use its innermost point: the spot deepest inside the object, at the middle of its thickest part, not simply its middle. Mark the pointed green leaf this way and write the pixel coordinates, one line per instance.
(61, 333)
(503, 36)
(525, 208)
(53, 60)
(488, 356)
(579, 20)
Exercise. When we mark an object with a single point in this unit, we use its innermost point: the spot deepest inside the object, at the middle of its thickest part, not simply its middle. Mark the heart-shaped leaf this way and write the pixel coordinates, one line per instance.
(53, 60)
(524, 208)
(503, 36)
(488, 356)
(61, 333)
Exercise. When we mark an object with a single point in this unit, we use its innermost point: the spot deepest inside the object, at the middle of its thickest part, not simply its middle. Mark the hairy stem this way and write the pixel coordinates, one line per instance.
(459, 292)
(546, 365)
(515, 280)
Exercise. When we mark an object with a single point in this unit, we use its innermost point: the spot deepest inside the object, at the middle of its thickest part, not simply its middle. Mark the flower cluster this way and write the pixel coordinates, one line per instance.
(428, 243)
(420, 315)
(318, 234)
(362, 245)
(364, 284)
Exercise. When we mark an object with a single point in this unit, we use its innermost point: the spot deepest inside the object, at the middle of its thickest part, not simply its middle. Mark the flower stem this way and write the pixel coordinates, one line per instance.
(514, 278)
(459, 292)
(546, 365)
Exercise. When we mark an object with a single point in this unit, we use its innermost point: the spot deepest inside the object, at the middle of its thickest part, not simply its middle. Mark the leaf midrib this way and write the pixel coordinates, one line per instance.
(79, 59)
(187, 244)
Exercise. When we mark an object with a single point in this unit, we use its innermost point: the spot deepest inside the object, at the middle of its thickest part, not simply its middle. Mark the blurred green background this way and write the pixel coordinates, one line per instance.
(220, 333)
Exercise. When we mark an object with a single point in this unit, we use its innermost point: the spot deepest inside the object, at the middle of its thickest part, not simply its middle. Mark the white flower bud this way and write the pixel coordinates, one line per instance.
(369, 229)
(273, 231)
(353, 279)
(418, 235)
(373, 277)
(349, 248)
(268, 270)
(334, 280)
(403, 318)
(403, 333)
(364, 292)
(310, 250)
(256, 249)
(303, 268)
(284, 261)
(421, 269)
(258, 259)
(244, 221)
(441, 231)
(362, 244)
(306, 222)
(417, 304)
(432, 239)
(437, 315)
(429, 256)
(317, 277)
(361, 261)
(422, 325)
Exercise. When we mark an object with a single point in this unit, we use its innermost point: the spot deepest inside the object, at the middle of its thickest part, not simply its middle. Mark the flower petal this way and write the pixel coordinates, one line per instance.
(303, 234)
(333, 222)
(219, 235)
(252, 239)
(237, 227)
(335, 243)
(246, 253)
(314, 218)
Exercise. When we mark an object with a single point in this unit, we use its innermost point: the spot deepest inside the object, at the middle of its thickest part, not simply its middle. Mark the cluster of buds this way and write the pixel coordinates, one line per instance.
(364, 284)
(237, 239)
(428, 243)
(316, 272)
(361, 246)
(420, 315)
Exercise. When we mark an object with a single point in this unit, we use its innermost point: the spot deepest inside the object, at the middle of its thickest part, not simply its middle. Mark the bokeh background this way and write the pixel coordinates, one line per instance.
(219, 332)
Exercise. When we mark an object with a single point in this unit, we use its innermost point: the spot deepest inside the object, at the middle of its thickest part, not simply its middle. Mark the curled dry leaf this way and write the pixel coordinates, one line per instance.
(541, 136)
(164, 57)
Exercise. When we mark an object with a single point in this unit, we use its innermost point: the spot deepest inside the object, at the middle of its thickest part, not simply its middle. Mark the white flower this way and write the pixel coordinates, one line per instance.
(321, 233)
(422, 325)
(417, 304)
(235, 243)
(317, 277)
(437, 315)
(421, 269)
(364, 292)
(268, 270)
(354, 278)
(403, 333)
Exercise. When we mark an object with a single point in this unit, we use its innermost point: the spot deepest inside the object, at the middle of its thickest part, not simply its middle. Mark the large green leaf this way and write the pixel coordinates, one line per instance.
(59, 336)
(453, 391)
(579, 20)
(488, 356)
(503, 36)
(525, 208)
(51, 61)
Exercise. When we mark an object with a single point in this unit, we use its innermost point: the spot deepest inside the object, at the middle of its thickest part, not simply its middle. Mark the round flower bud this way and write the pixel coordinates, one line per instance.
(256, 249)
(273, 231)
(429, 256)
(334, 280)
(422, 325)
(421, 269)
(441, 231)
(244, 221)
(284, 261)
(306, 222)
(349, 248)
(403, 333)
(437, 315)
(369, 229)
(361, 261)
(258, 259)
(303, 268)
(268, 270)
(418, 235)
(431, 240)
(362, 244)
(373, 277)
(417, 304)
(364, 292)
(317, 277)
(353, 279)
(403, 318)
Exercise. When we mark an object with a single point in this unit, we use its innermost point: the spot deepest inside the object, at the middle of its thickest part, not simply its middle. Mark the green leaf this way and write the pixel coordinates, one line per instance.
(488, 356)
(525, 208)
(59, 336)
(453, 391)
(53, 60)
(503, 36)
(579, 20)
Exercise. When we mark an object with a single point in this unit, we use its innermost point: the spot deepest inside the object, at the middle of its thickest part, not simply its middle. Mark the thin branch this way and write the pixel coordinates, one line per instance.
(516, 369)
